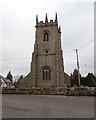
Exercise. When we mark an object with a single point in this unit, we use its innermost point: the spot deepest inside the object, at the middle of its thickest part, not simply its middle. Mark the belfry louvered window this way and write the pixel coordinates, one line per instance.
(46, 37)
(46, 74)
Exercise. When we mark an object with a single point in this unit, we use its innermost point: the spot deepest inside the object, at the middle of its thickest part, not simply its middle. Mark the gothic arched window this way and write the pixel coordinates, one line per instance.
(46, 36)
(46, 74)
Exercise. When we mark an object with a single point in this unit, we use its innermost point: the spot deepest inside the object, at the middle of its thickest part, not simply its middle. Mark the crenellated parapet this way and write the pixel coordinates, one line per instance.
(46, 22)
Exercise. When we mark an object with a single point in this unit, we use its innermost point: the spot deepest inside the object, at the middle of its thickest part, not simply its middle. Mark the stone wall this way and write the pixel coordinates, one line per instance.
(52, 91)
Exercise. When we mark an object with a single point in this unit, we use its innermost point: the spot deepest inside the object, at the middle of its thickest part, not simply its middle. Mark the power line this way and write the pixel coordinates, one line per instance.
(16, 59)
(81, 46)
(69, 51)
(86, 44)
(64, 52)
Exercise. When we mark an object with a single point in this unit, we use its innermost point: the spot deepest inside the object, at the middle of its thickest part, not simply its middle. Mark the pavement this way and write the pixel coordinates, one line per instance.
(47, 106)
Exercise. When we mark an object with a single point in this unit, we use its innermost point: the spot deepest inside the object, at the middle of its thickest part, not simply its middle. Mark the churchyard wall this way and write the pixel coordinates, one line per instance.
(87, 91)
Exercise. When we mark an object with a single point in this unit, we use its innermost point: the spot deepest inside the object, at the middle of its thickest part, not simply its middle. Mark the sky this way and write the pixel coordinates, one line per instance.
(18, 20)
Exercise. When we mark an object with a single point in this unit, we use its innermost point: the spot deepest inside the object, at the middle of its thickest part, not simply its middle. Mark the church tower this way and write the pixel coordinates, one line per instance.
(47, 68)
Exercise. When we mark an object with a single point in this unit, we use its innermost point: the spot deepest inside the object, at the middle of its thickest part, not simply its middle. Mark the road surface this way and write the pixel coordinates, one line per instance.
(46, 106)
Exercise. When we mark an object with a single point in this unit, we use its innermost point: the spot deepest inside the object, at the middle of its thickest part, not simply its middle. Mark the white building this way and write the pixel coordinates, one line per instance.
(2, 82)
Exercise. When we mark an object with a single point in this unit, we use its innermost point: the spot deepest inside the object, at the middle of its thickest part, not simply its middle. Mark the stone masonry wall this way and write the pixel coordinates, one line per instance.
(52, 91)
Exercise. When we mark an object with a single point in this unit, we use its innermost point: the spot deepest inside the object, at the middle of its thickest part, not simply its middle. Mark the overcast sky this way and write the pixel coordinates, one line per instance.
(18, 33)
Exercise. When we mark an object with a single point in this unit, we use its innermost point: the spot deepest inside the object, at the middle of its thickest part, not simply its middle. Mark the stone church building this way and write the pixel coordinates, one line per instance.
(47, 67)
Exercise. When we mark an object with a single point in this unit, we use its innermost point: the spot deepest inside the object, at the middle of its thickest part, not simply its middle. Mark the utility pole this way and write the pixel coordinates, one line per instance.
(78, 70)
